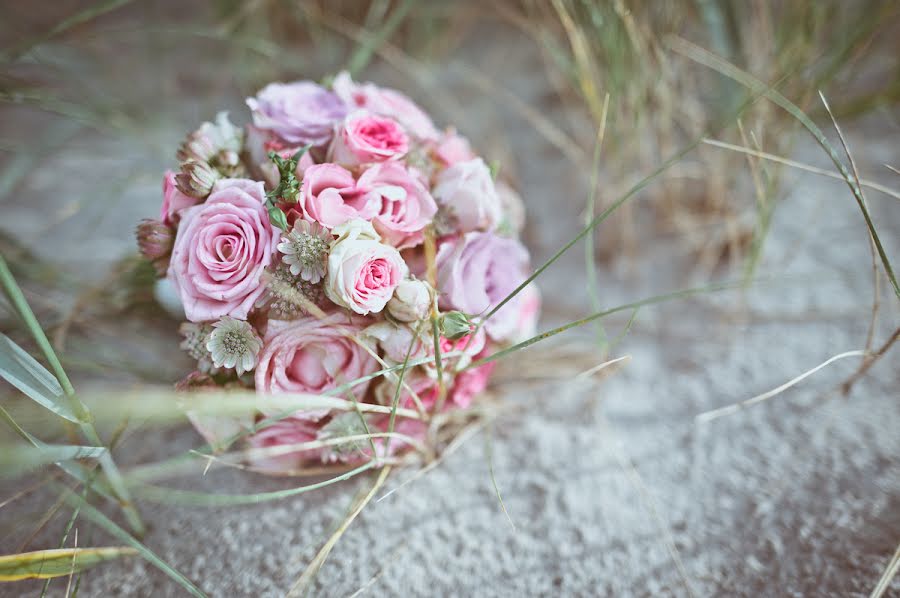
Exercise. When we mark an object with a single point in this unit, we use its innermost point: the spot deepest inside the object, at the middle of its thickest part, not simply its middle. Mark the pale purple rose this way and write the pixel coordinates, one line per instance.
(362, 271)
(221, 250)
(174, 201)
(404, 205)
(299, 113)
(466, 193)
(309, 355)
(478, 271)
(365, 138)
(329, 195)
(385, 102)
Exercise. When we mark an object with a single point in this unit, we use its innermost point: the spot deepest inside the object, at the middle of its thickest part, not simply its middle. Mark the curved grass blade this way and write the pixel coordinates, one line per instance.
(205, 499)
(25, 373)
(15, 460)
(58, 562)
(89, 511)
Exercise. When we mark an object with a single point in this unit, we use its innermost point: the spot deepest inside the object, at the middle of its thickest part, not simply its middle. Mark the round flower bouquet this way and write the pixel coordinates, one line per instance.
(342, 251)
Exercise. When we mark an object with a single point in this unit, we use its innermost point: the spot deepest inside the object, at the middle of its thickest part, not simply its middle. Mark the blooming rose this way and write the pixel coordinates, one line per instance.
(362, 271)
(299, 113)
(329, 196)
(174, 201)
(311, 355)
(221, 250)
(286, 432)
(465, 191)
(405, 207)
(469, 384)
(453, 148)
(477, 272)
(385, 102)
(364, 138)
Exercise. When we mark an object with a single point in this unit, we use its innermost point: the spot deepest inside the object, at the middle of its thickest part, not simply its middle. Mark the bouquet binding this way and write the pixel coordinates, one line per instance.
(339, 244)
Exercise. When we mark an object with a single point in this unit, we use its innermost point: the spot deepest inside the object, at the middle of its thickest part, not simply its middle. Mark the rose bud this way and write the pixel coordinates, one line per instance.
(411, 301)
(455, 325)
(155, 241)
(196, 179)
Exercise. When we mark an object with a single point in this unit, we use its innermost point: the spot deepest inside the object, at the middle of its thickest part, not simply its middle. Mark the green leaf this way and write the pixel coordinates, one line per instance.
(44, 564)
(14, 460)
(25, 373)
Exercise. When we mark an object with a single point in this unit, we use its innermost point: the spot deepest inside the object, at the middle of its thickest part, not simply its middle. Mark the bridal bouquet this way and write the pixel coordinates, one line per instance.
(339, 235)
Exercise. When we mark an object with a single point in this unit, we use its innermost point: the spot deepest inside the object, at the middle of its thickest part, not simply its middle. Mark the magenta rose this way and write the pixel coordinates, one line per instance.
(385, 102)
(478, 271)
(221, 250)
(405, 207)
(299, 113)
(365, 138)
(309, 355)
(174, 201)
(329, 196)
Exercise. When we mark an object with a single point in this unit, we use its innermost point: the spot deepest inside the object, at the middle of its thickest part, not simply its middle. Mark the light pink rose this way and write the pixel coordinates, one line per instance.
(329, 196)
(453, 148)
(385, 102)
(477, 272)
(221, 250)
(405, 207)
(299, 113)
(174, 201)
(466, 193)
(309, 355)
(286, 432)
(365, 138)
(469, 384)
(362, 271)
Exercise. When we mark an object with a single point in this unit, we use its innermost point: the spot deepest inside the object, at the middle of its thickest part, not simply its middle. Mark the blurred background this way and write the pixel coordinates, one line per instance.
(612, 486)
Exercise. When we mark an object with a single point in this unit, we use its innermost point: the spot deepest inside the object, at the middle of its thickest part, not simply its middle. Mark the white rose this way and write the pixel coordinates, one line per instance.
(411, 301)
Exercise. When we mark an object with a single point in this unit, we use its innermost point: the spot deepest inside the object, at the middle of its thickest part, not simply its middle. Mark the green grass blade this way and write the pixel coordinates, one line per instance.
(15, 460)
(710, 60)
(364, 52)
(89, 511)
(44, 564)
(25, 373)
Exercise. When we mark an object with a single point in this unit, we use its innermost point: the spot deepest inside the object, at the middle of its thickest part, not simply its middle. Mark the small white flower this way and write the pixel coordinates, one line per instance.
(195, 338)
(234, 344)
(305, 249)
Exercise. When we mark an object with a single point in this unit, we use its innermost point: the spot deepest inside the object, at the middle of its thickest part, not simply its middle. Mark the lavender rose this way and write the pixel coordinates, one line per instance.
(221, 251)
(298, 113)
(478, 271)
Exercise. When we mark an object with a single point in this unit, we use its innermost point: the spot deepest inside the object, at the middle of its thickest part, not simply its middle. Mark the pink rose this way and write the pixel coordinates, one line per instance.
(405, 207)
(287, 432)
(309, 355)
(174, 201)
(385, 102)
(453, 148)
(465, 191)
(365, 138)
(221, 251)
(299, 113)
(477, 272)
(470, 383)
(362, 271)
(329, 196)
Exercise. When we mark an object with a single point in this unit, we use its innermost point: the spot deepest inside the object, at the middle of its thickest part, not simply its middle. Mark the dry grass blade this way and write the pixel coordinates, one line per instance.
(304, 584)
(45, 564)
(709, 416)
(889, 573)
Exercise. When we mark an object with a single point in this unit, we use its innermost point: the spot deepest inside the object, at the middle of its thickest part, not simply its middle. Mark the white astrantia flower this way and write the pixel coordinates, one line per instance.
(234, 344)
(194, 343)
(304, 249)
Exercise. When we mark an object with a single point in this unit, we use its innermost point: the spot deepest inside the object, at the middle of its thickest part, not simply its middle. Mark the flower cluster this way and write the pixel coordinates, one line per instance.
(338, 234)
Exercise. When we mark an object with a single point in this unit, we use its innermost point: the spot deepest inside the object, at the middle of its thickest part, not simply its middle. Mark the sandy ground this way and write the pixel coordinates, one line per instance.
(612, 488)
